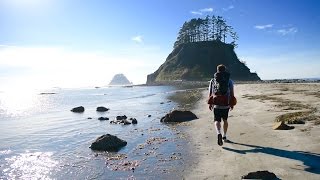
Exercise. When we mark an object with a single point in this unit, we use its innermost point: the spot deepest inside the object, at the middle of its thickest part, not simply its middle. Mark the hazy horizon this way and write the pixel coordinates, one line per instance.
(56, 43)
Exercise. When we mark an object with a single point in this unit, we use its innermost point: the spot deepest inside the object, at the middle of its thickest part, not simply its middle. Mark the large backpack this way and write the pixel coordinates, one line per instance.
(221, 83)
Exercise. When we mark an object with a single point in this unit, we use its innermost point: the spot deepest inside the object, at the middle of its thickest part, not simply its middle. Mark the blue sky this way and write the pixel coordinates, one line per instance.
(76, 43)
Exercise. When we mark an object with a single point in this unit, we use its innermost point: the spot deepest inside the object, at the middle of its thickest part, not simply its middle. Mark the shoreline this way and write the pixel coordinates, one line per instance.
(289, 154)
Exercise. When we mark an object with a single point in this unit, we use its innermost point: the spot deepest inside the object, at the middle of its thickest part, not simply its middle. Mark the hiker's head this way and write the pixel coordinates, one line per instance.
(221, 68)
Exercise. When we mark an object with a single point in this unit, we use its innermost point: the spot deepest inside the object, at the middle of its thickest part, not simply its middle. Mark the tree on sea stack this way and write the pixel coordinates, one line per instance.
(208, 29)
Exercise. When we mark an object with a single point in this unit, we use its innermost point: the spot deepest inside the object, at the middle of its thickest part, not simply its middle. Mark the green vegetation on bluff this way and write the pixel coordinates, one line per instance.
(208, 29)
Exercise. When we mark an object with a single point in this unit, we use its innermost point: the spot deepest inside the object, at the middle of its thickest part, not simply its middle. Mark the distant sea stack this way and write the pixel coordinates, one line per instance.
(199, 48)
(120, 79)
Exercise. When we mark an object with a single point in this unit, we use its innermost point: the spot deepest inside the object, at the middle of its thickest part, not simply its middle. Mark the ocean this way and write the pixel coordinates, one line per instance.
(42, 139)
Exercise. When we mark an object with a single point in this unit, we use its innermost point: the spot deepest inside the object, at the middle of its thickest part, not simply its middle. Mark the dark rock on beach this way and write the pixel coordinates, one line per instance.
(108, 142)
(178, 116)
(121, 117)
(79, 109)
(103, 118)
(102, 109)
(281, 126)
(263, 175)
(133, 120)
(122, 121)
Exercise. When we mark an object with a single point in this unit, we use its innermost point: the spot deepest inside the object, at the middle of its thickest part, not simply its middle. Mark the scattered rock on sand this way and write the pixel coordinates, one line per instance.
(149, 115)
(79, 109)
(178, 116)
(108, 142)
(103, 118)
(121, 117)
(123, 122)
(281, 126)
(133, 120)
(263, 175)
(102, 109)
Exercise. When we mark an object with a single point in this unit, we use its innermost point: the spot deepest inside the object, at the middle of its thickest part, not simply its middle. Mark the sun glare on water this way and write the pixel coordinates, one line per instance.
(36, 165)
(18, 102)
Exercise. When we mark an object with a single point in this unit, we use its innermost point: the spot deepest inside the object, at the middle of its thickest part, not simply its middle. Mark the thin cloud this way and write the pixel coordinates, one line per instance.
(206, 10)
(287, 31)
(137, 39)
(202, 11)
(260, 27)
(228, 8)
(196, 12)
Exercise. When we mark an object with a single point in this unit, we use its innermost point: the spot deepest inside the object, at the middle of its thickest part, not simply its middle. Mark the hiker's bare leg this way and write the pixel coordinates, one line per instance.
(218, 127)
(225, 127)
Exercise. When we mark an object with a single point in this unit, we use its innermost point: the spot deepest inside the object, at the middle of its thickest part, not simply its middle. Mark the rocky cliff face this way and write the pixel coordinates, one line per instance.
(119, 79)
(197, 61)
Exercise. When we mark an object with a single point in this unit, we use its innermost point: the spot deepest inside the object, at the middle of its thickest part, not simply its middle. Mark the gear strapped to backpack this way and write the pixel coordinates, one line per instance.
(220, 88)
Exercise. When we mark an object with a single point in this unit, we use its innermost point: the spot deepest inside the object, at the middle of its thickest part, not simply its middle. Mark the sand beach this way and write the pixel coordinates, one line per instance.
(254, 145)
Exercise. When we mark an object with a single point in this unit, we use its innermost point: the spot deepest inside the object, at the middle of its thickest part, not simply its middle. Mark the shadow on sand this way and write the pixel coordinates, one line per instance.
(309, 159)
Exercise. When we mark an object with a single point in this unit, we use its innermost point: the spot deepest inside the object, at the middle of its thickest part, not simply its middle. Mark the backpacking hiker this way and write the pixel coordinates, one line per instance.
(222, 100)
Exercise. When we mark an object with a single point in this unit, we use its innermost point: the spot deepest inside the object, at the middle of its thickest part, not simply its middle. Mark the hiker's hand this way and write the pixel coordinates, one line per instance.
(231, 108)
(210, 107)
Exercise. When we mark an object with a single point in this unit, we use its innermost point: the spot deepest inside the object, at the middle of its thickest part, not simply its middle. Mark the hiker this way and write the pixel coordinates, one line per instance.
(221, 87)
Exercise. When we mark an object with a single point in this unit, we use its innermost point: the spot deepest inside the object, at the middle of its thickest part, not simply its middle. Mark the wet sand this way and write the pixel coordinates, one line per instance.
(255, 146)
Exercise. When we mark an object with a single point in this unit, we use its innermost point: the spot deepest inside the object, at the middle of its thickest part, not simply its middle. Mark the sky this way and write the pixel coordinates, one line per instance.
(83, 43)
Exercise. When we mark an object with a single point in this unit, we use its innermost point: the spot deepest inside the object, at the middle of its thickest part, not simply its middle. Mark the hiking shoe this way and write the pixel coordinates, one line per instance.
(220, 143)
(224, 138)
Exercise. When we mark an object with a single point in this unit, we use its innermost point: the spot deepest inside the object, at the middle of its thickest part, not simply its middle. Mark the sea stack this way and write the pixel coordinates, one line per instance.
(120, 79)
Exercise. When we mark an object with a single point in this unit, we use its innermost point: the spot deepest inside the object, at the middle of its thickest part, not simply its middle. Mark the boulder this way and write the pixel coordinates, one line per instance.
(263, 175)
(178, 116)
(103, 118)
(133, 120)
(281, 126)
(102, 109)
(79, 109)
(108, 142)
(124, 122)
(121, 117)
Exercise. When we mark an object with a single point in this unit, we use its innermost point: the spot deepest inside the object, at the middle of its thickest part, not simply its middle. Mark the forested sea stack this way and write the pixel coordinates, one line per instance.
(201, 45)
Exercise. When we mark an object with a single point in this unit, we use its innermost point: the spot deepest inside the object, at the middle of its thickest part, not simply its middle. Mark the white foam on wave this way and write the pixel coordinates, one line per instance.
(5, 152)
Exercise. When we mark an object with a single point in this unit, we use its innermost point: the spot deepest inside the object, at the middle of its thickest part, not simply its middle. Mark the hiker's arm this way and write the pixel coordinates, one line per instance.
(210, 92)
(231, 92)
(210, 88)
(231, 89)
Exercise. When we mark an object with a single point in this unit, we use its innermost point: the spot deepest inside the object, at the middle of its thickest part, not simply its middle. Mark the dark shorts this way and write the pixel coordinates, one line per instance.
(220, 113)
